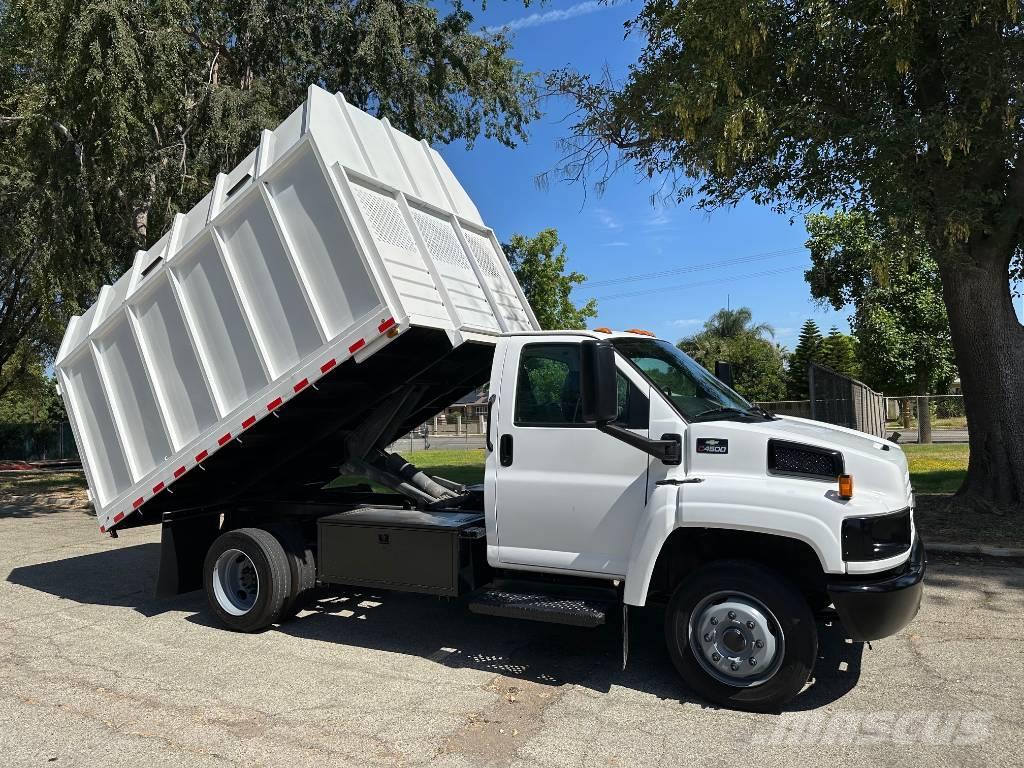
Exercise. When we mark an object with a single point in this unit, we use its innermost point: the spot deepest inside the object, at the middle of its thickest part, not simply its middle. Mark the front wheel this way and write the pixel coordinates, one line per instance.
(741, 636)
(247, 578)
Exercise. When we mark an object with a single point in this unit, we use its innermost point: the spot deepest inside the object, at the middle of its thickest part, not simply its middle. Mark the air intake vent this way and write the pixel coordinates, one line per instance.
(786, 458)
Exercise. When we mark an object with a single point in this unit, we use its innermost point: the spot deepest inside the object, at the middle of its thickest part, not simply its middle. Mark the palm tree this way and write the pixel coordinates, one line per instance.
(731, 323)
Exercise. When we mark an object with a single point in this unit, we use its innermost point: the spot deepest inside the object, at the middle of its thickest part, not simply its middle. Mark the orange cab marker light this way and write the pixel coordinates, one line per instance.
(639, 331)
(602, 329)
(846, 486)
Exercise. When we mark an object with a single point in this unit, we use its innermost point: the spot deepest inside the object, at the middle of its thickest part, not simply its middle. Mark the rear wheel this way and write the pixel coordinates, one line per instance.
(247, 579)
(741, 636)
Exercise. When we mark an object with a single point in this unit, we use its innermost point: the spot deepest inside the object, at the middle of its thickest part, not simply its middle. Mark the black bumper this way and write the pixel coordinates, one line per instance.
(873, 607)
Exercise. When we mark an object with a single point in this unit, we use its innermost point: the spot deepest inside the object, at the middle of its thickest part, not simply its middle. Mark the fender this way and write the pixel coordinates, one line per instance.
(665, 515)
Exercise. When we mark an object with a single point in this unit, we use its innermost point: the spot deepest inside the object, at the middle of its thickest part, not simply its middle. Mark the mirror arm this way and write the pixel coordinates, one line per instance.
(669, 449)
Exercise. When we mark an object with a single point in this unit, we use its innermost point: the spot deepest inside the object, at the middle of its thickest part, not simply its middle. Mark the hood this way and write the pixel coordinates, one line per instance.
(878, 466)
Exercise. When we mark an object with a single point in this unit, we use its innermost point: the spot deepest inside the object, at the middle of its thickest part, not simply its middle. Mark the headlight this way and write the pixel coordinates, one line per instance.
(876, 537)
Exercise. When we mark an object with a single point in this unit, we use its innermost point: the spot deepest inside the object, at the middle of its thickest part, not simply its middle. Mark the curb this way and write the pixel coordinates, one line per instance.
(974, 549)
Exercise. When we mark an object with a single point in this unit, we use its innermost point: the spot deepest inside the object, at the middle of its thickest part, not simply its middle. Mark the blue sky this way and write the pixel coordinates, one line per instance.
(620, 233)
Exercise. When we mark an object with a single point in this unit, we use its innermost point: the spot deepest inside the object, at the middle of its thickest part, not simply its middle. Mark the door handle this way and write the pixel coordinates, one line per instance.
(684, 481)
(490, 407)
(505, 450)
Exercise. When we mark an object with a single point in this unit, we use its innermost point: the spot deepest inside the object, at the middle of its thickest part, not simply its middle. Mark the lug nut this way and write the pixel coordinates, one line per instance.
(732, 614)
(707, 637)
(734, 666)
(750, 625)
(715, 657)
(714, 619)
(753, 662)
(759, 643)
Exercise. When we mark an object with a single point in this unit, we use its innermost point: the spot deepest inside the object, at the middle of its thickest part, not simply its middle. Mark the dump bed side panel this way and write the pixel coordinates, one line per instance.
(335, 235)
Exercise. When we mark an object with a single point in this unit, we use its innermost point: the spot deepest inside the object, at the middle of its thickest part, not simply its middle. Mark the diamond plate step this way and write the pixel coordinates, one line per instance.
(539, 606)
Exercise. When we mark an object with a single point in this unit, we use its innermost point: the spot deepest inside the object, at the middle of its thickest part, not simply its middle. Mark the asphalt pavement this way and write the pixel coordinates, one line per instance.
(96, 672)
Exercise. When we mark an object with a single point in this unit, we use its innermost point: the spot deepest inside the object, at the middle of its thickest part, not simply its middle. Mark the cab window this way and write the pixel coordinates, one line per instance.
(548, 389)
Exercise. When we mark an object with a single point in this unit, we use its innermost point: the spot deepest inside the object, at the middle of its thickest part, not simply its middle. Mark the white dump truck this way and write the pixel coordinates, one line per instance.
(339, 288)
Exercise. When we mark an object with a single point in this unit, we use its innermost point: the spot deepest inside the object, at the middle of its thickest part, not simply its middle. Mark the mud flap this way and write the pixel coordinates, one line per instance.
(183, 547)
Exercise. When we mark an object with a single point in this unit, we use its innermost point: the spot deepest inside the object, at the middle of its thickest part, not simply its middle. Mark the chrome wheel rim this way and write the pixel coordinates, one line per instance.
(236, 584)
(736, 639)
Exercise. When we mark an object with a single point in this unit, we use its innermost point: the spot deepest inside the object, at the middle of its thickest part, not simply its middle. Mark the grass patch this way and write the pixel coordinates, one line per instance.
(22, 483)
(937, 468)
(459, 465)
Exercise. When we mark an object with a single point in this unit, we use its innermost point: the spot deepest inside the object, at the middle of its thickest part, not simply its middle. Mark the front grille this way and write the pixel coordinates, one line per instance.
(786, 458)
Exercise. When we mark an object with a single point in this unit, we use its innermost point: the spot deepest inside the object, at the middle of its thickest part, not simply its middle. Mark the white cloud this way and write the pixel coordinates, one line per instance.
(539, 18)
(615, 244)
(606, 218)
(686, 323)
(659, 219)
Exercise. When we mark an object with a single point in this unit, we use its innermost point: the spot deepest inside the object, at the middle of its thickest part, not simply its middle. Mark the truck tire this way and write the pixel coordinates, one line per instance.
(741, 636)
(247, 579)
(302, 569)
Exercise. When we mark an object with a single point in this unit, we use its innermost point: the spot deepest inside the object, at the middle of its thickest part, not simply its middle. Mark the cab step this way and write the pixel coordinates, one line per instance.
(535, 605)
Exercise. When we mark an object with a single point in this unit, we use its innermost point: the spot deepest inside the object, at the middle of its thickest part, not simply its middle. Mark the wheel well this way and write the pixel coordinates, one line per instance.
(686, 549)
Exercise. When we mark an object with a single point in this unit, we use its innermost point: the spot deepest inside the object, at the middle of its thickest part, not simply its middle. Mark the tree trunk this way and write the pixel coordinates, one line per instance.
(924, 413)
(905, 412)
(989, 345)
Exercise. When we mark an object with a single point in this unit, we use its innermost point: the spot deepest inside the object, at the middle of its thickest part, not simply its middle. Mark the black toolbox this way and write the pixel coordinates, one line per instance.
(436, 553)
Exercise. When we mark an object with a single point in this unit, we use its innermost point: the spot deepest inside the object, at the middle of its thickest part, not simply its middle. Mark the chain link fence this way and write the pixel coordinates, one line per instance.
(37, 442)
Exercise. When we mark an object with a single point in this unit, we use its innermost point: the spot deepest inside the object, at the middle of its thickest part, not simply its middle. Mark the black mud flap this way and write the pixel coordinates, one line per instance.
(183, 547)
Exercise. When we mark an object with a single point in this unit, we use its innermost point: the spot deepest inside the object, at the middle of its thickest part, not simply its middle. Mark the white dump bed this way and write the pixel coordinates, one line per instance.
(335, 235)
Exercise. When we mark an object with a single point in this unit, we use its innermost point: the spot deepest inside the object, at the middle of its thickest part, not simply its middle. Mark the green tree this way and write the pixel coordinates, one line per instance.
(731, 336)
(730, 323)
(913, 111)
(838, 352)
(893, 286)
(539, 265)
(116, 114)
(800, 360)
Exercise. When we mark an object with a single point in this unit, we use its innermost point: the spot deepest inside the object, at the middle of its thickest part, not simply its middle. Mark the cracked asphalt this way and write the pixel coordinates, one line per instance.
(96, 672)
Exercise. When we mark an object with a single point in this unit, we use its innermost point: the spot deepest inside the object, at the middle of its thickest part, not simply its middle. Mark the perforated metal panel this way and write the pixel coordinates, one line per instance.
(384, 218)
(441, 240)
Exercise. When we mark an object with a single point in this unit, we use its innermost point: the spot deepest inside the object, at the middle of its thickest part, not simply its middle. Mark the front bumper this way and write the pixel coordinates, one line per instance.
(873, 608)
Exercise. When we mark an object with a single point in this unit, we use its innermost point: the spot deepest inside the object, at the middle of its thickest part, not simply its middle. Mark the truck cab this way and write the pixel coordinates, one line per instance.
(614, 456)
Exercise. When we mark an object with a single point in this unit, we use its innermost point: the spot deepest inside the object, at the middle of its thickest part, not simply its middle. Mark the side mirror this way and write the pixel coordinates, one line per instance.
(597, 382)
(723, 372)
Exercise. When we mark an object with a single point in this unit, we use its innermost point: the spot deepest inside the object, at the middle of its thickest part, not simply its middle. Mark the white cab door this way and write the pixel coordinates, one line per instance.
(567, 497)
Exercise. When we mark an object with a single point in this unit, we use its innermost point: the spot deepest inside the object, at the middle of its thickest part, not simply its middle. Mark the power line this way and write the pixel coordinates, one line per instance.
(716, 281)
(694, 268)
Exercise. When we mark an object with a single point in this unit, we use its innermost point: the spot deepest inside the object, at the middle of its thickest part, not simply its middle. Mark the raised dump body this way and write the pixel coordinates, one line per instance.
(341, 265)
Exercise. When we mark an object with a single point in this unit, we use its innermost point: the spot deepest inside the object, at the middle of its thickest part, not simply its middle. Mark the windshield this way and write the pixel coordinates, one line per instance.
(696, 394)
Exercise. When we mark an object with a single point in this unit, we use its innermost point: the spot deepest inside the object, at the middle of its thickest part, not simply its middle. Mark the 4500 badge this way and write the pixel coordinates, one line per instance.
(712, 445)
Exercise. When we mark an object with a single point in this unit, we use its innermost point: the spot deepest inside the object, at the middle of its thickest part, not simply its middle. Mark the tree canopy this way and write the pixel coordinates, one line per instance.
(893, 287)
(911, 111)
(539, 263)
(116, 114)
(732, 336)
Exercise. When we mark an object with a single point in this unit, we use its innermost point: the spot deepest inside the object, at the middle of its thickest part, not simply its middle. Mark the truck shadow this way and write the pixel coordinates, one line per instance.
(440, 630)
(445, 632)
(123, 577)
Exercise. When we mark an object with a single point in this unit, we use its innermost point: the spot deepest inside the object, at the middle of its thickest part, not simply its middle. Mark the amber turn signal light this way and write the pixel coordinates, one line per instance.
(846, 486)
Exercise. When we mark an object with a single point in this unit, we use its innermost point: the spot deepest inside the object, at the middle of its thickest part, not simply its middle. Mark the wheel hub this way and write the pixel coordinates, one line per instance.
(736, 639)
(236, 584)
